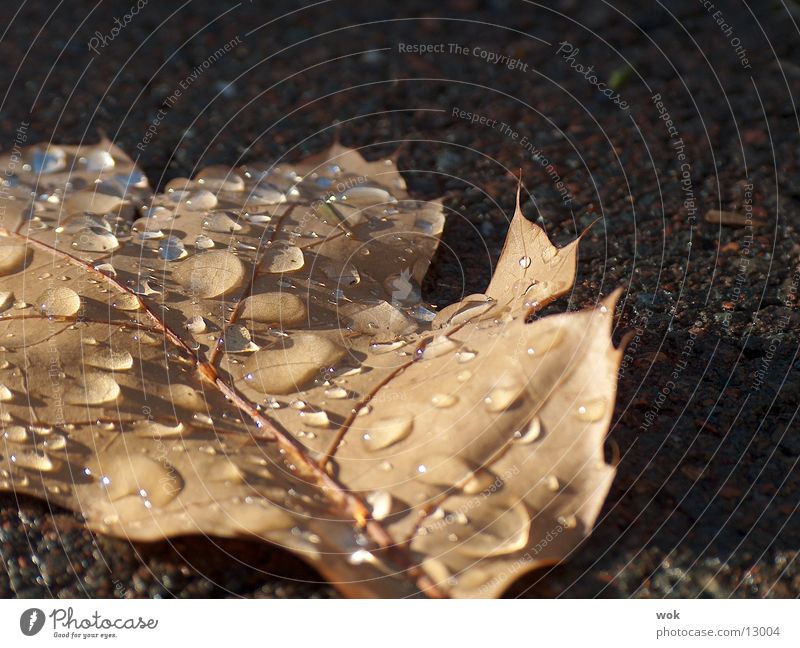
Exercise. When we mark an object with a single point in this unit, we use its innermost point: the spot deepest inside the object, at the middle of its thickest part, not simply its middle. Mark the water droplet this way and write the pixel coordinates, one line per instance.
(282, 308)
(365, 195)
(13, 257)
(153, 429)
(200, 200)
(94, 239)
(220, 178)
(264, 195)
(438, 346)
(136, 474)
(238, 339)
(315, 419)
(346, 275)
(282, 257)
(203, 242)
(381, 504)
(443, 401)
(592, 410)
(286, 370)
(463, 376)
(59, 302)
(545, 341)
(336, 393)
(387, 431)
(55, 443)
(531, 433)
(128, 181)
(497, 528)
(221, 222)
(6, 300)
(108, 358)
(525, 262)
(33, 460)
(95, 389)
(472, 307)
(48, 161)
(384, 347)
(504, 394)
(93, 201)
(552, 483)
(126, 302)
(15, 434)
(403, 288)
(171, 249)
(196, 325)
(465, 356)
(99, 160)
(205, 419)
(210, 274)
(480, 481)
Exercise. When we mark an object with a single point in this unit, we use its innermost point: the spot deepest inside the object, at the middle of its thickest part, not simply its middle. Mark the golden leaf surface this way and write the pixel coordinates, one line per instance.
(248, 354)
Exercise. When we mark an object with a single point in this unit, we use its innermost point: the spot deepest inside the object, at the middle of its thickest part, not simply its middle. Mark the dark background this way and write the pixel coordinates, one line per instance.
(706, 498)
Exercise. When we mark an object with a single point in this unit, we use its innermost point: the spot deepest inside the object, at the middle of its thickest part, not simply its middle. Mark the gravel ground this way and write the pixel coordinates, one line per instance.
(706, 498)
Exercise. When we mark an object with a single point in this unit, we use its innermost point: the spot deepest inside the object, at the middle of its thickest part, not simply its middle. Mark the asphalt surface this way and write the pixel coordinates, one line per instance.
(695, 113)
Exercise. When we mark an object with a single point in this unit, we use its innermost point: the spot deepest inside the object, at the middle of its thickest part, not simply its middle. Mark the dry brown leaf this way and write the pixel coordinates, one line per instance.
(249, 355)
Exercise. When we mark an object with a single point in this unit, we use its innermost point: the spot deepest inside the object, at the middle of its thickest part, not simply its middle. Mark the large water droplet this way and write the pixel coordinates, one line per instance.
(531, 433)
(92, 201)
(108, 358)
(592, 410)
(203, 242)
(443, 401)
(155, 482)
(221, 222)
(438, 346)
(126, 302)
(336, 393)
(155, 430)
(12, 256)
(264, 195)
(220, 178)
(147, 229)
(200, 200)
(315, 419)
(545, 341)
(33, 460)
(171, 249)
(387, 431)
(505, 393)
(283, 308)
(15, 434)
(95, 389)
(496, 530)
(365, 195)
(210, 274)
(282, 257)
(58, 302)
(94, 239)
(286, 370)
(381, 504)
(99, 160)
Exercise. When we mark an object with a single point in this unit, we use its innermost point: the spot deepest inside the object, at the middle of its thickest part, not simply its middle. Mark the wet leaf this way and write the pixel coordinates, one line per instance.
(248, 354)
